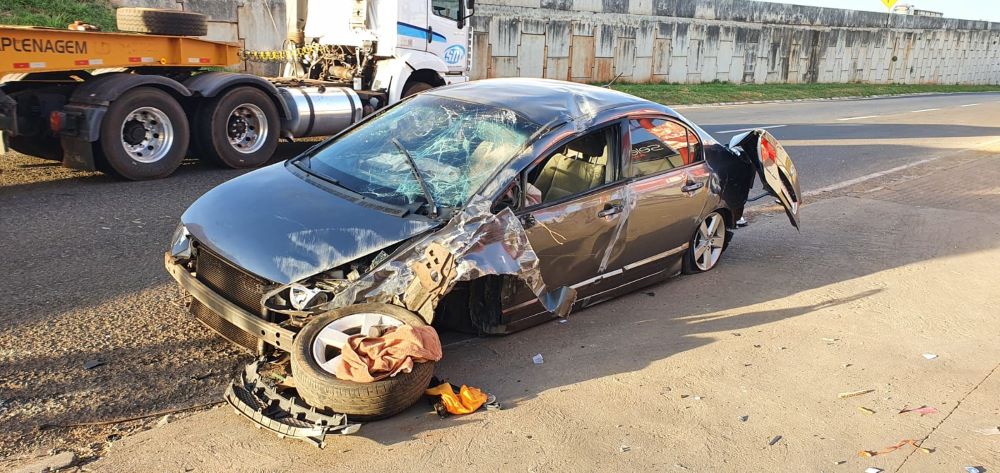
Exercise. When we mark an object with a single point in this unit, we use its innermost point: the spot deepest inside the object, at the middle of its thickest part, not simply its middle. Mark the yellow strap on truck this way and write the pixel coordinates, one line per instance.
(33, 49)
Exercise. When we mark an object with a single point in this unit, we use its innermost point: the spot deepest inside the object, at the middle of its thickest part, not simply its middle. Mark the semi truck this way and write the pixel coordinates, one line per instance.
(135, 103)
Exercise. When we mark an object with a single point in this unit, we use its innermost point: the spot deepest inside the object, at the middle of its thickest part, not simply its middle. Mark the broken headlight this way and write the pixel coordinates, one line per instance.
(180, 243)
(302, 297)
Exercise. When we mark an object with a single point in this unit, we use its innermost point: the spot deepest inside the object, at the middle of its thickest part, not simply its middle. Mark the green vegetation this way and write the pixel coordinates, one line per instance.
(57, 13)
(678, 94)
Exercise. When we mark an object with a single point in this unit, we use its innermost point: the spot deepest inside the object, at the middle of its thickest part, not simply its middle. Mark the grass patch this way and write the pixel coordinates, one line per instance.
(57, 13)
(679, 94)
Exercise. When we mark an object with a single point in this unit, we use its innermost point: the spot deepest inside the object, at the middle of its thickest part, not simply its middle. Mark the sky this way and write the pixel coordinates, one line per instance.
(967, 9)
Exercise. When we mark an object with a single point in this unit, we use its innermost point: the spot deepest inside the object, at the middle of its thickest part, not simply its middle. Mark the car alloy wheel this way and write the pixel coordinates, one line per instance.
(708, 241)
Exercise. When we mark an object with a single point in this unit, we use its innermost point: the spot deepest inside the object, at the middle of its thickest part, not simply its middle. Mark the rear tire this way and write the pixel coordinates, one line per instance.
(238, 129)
(158, 21)
(360, 401)
(144, 134)
(705, 248)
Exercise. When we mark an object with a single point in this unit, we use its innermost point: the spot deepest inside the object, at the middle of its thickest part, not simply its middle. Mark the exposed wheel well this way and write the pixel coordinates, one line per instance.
(424, 75)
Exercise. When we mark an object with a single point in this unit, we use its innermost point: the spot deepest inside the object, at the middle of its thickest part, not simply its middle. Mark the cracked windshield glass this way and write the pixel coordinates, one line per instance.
(455, 146)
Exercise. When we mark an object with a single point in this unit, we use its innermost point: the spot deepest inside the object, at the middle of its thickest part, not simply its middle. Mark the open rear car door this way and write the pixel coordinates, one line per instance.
(774, 167)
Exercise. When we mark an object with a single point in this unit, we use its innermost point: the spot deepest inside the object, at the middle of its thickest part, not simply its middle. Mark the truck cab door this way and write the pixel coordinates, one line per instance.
(412, 30)
(448, 42)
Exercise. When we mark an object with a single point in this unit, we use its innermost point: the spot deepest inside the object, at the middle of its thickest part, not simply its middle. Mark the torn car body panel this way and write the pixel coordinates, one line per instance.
(774, 166)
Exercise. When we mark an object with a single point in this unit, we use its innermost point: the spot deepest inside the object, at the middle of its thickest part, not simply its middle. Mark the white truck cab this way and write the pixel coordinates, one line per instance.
(414, 43)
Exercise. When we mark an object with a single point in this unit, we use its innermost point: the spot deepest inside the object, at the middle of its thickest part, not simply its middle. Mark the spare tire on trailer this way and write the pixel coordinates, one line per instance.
(158, 21)
(321, 389)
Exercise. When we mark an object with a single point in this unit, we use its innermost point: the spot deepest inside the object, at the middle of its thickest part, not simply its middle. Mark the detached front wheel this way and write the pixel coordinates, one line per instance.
(144, 134)
(317, 347)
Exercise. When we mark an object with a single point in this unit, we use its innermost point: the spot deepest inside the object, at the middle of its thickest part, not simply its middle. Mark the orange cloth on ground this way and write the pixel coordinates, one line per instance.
(367, 359)
(467, 400)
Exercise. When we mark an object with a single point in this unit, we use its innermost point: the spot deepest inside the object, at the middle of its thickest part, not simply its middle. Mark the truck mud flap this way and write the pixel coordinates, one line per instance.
(285, 416)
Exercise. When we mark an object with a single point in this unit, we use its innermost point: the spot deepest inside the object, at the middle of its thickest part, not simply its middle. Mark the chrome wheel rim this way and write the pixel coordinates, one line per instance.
(708, 241)
(330, 340)
(247, 128)
(147, 134)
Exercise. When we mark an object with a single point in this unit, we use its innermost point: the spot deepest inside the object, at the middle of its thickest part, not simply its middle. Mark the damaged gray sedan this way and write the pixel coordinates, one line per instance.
(486, 207)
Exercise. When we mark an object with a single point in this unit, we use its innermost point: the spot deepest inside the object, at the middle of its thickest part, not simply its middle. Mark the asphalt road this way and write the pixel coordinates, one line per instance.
(81, 276)
(839, 140)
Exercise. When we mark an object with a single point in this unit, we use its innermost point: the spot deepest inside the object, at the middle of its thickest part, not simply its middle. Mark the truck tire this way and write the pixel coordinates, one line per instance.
(237, 129)
(144, 134)
(415, 88)
(361, 401)
(157, 21)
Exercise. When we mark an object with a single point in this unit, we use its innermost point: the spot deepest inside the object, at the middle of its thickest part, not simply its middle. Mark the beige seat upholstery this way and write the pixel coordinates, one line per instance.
(581, 165)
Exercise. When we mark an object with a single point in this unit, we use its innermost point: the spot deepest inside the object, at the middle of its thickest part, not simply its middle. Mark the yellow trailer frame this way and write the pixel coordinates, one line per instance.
(34, 49)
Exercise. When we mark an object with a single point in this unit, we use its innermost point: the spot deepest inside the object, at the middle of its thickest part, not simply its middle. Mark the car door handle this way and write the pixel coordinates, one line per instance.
(692, 186)
(609, 210)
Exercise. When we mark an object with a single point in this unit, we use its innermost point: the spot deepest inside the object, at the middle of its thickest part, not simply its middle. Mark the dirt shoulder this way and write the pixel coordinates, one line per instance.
(661, 380)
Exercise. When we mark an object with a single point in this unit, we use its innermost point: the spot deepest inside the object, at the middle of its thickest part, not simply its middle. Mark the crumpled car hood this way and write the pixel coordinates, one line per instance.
(280, 227)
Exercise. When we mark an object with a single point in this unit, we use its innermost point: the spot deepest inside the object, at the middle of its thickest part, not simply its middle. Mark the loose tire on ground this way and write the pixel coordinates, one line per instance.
(240, 113)
(416, 87)
(360, 401)
(158, 21)
(693, 260)
(122, 126)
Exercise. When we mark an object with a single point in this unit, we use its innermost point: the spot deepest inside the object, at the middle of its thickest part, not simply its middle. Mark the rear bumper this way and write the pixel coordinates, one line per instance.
(268, 332)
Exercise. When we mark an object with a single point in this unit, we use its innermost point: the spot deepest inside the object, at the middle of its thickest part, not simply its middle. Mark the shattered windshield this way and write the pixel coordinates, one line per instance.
(455, 146)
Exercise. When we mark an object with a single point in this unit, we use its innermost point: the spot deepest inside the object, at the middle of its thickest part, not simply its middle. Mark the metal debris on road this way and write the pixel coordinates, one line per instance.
(537, 359)
(973, 469)
(930, 356)
(624, 448)
(854, 393)
(893, 448)
(839, 462)
(922, 410)
(744, 418)
(865, 410)
(562, 321)
(776, 439)
(91, 364)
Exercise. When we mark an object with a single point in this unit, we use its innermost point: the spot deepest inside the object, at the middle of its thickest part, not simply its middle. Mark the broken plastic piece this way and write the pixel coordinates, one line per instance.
(893, 448)
(854, 393)
(91, 364)
(865, 410)
(922, 410)
(466, 401)
(776, 439)
(537, 359)
(930, 356)
(973, 469)
(283, 415)
(872, 469)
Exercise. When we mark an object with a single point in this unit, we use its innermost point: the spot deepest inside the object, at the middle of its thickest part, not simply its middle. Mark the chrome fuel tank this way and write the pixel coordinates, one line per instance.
(320, 111)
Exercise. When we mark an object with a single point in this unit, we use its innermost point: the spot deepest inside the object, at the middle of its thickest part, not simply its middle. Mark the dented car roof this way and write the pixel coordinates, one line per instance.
(543, 101)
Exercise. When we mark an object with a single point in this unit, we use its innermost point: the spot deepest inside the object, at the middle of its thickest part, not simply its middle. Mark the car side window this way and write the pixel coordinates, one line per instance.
(659, 145)
(445, 8)
(576, 167)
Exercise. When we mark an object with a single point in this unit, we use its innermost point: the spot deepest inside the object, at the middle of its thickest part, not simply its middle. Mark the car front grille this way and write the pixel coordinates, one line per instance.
(222, 326)
(237, 286)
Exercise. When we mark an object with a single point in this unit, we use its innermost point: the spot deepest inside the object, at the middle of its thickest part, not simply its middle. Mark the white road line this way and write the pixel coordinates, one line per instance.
(751, 129)
(970, 105)
(851, 182)
(856, 118)
(924, 110)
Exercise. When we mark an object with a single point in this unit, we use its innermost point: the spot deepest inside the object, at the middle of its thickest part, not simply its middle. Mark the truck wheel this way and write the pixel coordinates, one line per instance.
(238, 129)
(157, 21)
(317, 345)
(144, 134)
(416, 87)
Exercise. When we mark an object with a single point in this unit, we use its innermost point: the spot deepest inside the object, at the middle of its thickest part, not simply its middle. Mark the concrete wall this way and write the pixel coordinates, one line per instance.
(736, 41)
(254, 24)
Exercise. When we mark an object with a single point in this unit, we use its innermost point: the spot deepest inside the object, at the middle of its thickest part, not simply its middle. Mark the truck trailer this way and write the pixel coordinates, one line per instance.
(136, 103)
